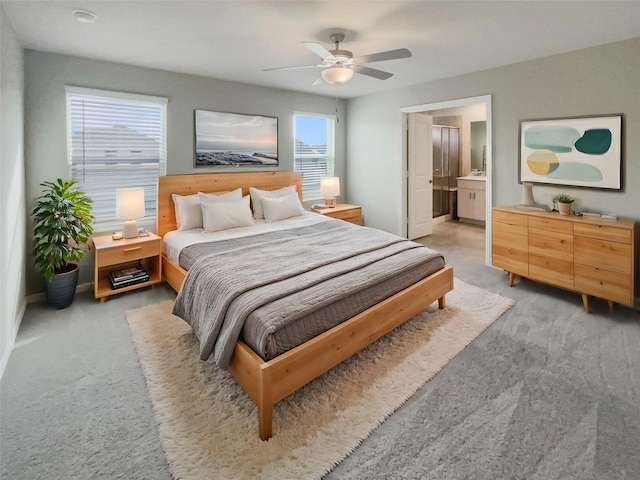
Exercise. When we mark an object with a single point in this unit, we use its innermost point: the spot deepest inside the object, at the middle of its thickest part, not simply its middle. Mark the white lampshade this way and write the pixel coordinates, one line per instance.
(129, 207)
(330, 188)
(337, 74)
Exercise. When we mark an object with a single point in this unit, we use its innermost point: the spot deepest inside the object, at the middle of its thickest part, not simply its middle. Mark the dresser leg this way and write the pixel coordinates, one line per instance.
(611, 303)
(512, 277)
(585, 302)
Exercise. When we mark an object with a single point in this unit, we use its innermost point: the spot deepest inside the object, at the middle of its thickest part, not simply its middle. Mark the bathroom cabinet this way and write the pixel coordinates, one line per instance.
(472, 198)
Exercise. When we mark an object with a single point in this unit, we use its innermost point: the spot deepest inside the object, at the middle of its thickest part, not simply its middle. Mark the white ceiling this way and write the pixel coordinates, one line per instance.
(234, 40)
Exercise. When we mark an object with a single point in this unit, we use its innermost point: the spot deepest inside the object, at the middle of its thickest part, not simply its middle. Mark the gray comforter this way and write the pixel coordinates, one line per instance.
(222, 288)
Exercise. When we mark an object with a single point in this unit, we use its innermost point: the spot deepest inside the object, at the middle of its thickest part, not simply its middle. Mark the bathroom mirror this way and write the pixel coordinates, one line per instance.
(478, 146)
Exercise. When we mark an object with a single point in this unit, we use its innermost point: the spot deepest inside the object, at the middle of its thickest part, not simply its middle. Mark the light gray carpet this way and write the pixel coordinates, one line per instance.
(547, 392)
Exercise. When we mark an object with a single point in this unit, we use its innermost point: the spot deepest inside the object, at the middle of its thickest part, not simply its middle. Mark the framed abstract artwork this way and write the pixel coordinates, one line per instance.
(234, 139)
(579, 151)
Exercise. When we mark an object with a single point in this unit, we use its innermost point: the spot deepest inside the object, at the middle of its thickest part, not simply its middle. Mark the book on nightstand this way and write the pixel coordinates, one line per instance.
(127, 276)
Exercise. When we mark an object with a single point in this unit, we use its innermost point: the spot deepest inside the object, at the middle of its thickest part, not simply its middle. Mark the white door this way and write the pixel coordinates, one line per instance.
(419, 175)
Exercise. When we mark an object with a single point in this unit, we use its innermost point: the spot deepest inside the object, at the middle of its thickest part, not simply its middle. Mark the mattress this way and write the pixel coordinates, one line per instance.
(282, 322)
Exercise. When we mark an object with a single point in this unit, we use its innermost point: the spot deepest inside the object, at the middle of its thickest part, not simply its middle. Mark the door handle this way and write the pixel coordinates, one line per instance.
(430, 181)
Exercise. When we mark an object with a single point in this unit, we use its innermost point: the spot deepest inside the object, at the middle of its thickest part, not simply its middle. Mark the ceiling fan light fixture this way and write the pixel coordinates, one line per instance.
(337, 74)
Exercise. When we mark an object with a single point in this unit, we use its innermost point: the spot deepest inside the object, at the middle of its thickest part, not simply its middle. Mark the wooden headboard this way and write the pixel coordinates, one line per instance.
(215, 183)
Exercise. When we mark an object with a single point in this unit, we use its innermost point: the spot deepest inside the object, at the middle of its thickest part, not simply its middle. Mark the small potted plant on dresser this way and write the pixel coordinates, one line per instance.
(564, 202)
(62, 225)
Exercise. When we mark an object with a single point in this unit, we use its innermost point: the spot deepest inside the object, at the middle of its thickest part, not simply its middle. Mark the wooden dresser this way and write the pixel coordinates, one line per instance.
(587, 255)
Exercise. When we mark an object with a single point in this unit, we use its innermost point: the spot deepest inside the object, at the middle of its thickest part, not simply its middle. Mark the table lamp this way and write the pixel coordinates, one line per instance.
(129, 207)
(330, 188)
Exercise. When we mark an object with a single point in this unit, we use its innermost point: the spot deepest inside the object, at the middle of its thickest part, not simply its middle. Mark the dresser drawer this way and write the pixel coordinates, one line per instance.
(511, 259)
(511, 218)
(611, 256)
(551, 270)
(604, 284)
(509, 235)
(551, 224)
(128, 253)
(551, 244)
(603, 232)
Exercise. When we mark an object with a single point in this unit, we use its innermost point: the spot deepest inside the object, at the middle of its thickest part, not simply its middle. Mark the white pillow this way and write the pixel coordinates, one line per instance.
(258, 195)
(217, 215)
(188, 211)
(280, 208)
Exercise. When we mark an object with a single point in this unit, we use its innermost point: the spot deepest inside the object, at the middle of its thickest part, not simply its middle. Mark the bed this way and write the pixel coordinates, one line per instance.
(269, 376)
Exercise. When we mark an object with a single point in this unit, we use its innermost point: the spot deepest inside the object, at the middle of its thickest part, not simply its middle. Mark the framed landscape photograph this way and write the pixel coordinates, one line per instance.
(234, 139)
(580, 151)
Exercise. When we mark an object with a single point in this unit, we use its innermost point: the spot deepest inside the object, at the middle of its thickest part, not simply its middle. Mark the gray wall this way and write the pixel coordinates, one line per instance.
(12, 189)
(46, 75)
(600, 80)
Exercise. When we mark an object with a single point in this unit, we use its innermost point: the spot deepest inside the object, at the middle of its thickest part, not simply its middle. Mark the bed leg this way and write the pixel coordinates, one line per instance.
(265, 405)
(441, 303)
(265, 422)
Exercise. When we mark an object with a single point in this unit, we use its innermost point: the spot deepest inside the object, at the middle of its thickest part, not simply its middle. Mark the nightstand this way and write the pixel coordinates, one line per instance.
(342, 211)
(117, 254)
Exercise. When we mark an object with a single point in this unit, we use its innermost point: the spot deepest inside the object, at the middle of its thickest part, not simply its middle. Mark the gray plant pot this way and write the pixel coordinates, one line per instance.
(61, 290)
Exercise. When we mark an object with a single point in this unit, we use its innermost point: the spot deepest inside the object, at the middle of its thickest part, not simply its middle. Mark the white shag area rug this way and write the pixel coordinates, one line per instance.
(209, 427)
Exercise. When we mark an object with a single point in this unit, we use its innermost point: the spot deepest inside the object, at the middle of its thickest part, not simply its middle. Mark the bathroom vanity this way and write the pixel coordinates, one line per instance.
(472, 198)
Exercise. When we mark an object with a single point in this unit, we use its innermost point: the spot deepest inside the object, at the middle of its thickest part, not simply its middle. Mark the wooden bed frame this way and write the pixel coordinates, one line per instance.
(267, 382)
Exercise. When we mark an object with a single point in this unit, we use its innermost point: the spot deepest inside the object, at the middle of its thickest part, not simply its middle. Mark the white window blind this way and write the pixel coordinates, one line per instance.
(314, 151)
(115, 140)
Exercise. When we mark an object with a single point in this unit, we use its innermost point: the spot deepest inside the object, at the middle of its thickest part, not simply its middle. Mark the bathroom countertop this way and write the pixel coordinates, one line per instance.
(474, 177)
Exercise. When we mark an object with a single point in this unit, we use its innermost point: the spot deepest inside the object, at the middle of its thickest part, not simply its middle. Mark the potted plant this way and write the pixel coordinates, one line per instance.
(62, 217)
(564, 202)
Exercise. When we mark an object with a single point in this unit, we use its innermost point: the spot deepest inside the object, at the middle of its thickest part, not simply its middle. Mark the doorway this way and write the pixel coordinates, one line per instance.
(438, 111)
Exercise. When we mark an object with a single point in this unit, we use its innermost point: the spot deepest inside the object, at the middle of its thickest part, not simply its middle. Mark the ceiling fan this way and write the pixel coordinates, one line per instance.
(340, 65)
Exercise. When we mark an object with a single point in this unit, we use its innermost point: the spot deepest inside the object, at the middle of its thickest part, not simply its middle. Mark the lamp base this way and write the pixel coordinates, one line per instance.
(130, 229)
(330, 202)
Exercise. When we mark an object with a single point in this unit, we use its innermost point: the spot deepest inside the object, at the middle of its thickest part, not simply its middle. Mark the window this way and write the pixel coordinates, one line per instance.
(314, 151)
(115, 140)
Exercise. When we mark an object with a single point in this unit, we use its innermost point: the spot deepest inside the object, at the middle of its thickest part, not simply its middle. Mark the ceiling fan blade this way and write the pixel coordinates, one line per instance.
(317, 82)
(372, 72)
(290, 68)
(318, 50)
(379, 57)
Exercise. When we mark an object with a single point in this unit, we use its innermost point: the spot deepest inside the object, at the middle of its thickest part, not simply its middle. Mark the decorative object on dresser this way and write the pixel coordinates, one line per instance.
(591, 256)
(62, 225)
(235, 139)
(330, 188)
(342, 211)
(138, 261)
(564, 202)
(130, 207)
(579, 151)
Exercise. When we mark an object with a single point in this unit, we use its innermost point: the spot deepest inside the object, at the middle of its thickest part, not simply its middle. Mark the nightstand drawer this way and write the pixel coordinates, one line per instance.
(128, 253)
(353, 215)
